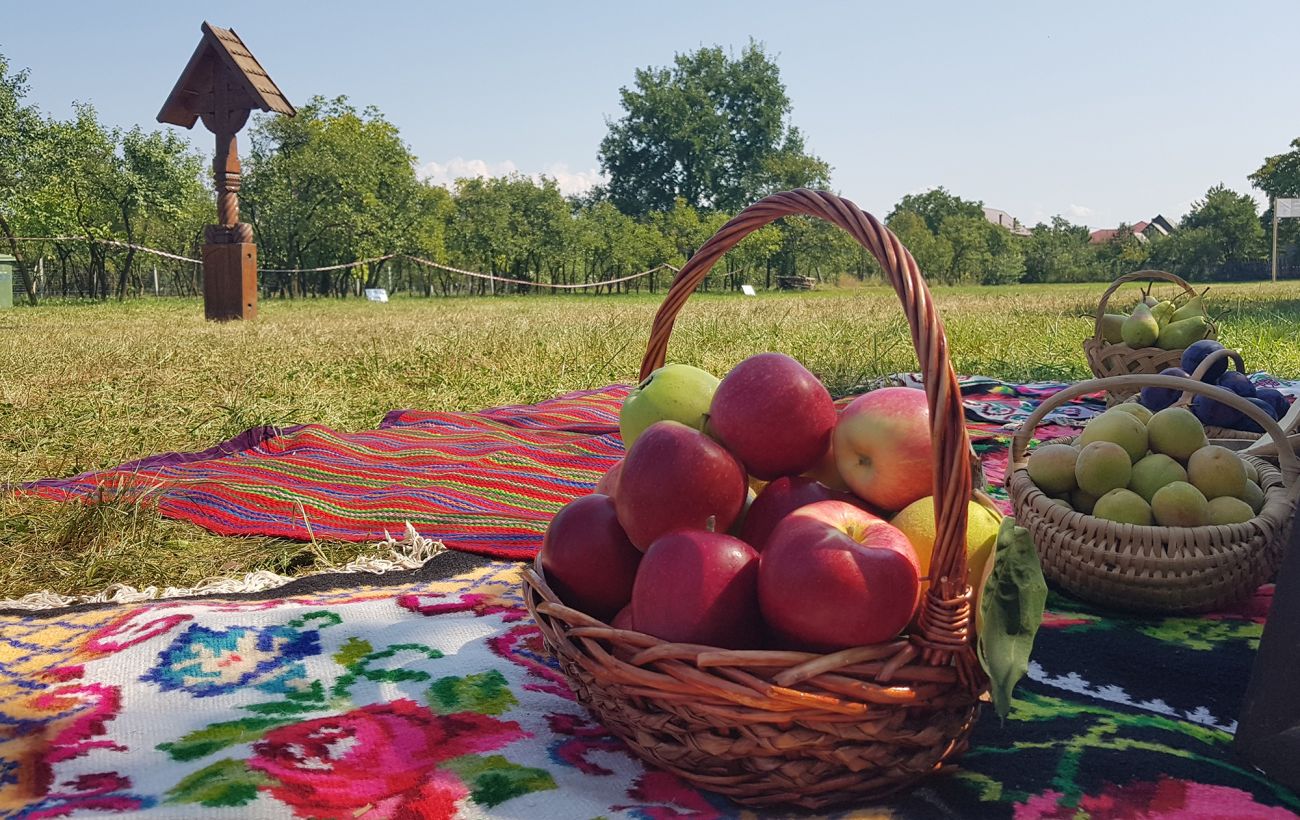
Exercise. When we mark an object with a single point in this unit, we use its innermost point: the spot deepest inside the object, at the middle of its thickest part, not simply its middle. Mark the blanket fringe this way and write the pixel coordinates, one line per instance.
(411, 551)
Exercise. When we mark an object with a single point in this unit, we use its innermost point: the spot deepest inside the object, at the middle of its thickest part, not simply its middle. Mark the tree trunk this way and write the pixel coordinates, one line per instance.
(29, 287)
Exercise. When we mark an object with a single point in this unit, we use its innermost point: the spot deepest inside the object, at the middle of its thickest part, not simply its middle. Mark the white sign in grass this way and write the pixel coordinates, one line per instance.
(748, 290)
(377, 294)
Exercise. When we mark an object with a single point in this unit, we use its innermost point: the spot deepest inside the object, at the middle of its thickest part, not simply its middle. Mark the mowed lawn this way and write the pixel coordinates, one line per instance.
(86, 386)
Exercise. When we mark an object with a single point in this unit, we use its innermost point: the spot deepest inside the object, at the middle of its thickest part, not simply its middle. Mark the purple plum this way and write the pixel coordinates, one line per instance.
(1214, 413)
(1196, 352)
(1276, 398)
(1248, 424)
(1238, 383)
(1158, 398)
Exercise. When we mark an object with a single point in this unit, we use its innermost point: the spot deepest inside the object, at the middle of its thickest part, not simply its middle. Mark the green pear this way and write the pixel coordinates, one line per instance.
(1180, 505)
(1253, 496)
(1123, 506)
(1083, 502)
(1051, 468)
(1180, 334)
(1118, 426)
(1102, 466)
(1177, 433)
(1141, 413)
(1112, 325)
(1150, 301)
(1153, 472)
(1194, 307)
(1217, 471)
(1162, 311)
(1228, 510)
(1252, 472)
(674, 392)
(1141, 329)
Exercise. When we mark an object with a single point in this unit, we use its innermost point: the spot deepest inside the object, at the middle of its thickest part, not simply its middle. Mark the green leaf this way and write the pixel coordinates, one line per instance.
(1011, 609)
(486, 693)
(493, 779)
(220, 735)
(225, 783)
(352, 651)
(281, 708)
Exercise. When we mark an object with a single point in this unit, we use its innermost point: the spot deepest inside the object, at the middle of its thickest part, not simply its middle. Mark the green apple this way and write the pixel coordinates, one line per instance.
(674, 392)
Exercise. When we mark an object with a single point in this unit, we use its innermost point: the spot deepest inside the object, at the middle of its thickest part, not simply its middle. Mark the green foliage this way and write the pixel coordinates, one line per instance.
(1059, 252)
(936, 205)
(227, 782)
(492, 779)
(710, 130)
(486, 693)
(1220, 229)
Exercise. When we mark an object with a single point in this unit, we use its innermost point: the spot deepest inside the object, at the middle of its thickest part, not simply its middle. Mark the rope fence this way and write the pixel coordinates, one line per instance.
(373, 260)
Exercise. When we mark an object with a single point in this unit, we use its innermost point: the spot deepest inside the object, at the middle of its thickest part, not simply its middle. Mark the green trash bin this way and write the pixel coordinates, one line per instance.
(6, 281)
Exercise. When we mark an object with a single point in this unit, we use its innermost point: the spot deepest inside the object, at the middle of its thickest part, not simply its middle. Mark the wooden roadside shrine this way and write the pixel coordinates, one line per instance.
(220, 85)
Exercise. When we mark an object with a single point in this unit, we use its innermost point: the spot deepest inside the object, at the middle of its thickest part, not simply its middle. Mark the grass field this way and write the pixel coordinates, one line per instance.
(91, 385)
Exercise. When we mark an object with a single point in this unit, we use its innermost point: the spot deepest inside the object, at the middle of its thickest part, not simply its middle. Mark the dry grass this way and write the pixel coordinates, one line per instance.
(89, 386)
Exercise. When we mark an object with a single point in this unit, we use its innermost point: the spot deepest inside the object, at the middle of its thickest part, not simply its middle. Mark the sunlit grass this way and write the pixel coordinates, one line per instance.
(88, 386)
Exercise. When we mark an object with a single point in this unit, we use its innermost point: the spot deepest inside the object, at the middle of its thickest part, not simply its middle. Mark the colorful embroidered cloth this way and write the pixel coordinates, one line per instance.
(485, 482)
(433, 698)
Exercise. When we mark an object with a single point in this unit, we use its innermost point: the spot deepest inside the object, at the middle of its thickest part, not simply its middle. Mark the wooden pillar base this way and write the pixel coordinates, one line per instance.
(230, 281)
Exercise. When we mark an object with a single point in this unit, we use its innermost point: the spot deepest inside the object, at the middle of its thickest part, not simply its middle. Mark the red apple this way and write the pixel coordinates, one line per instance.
(773, 415)
(623, 620)
(834, 576)
(608, 482)
(696, 586)
(782, 497)
(676, 477)
(826, 470)
(882, 447)
(587, 558)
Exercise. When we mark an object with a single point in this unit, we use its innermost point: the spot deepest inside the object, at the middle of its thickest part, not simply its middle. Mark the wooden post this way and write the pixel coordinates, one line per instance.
(1274, 239)
(222, 84)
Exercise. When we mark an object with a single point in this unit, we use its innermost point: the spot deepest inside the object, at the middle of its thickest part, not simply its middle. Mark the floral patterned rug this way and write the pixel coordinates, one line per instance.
(429, 696)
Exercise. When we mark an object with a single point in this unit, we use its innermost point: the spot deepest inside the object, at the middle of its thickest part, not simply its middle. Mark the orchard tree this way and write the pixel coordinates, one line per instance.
(932, 253)
(710, 130)
(936, 205)
(1279, 177)
(1058, 252)
(21, 135)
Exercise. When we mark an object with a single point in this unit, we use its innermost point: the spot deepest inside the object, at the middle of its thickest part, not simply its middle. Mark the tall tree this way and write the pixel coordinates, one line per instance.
(936, 205)
(21, 131)
(1059, 252)
(711, 130)
(1279, 177)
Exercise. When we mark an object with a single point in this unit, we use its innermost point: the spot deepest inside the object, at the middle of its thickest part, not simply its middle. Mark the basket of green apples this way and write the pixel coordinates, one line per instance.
(1149, 339)
(1141, 512)
(790, 646)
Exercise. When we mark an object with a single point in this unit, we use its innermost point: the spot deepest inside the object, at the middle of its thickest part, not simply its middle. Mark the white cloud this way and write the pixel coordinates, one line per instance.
(1079, 211)
(569, 182)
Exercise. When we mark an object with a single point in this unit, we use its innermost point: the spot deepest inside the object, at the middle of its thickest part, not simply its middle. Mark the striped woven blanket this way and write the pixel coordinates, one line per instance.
(485, 482)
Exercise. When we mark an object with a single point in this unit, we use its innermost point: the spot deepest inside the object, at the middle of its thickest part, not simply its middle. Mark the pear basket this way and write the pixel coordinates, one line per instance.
(1118, 359)
(768, 727)
(1167, 570)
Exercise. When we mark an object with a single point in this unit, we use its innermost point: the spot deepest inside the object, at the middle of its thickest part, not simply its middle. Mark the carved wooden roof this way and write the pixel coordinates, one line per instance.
(222, 71)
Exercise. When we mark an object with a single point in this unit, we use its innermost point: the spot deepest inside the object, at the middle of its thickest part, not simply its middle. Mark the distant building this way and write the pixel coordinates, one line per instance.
(1143, 231)
(1006, 220)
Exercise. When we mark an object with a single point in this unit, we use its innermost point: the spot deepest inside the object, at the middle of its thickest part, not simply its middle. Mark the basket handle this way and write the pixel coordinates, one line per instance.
(1136, 276)
(1289, 463)
(945, 618)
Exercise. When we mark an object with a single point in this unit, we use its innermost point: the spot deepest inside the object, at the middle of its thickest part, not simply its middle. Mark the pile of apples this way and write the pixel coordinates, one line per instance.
(1166, 324)
(1133, 466)
(749, 513)
(1209, 411)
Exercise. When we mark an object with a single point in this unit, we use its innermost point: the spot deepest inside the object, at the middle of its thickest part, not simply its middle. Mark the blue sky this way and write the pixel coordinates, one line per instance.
(1100, 112)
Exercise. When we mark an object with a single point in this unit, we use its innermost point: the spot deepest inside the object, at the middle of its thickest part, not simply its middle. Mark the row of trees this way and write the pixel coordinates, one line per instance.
(697, 141)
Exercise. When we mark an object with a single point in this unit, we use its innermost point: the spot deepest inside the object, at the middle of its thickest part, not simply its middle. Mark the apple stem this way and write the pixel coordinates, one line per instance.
(712, 524)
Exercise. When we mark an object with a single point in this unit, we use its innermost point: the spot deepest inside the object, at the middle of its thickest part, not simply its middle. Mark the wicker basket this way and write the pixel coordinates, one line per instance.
(768, 727)
(1227, 435)
(1108, 359)
(1156, 569)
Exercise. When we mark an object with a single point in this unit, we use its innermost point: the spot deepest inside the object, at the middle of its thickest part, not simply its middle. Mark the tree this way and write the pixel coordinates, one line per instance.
(932, 253)
(935, 205)
(21, 132)
(330, 185)
(1122, 253)
(1058, 252)
(1279, 177)
(710, 130)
